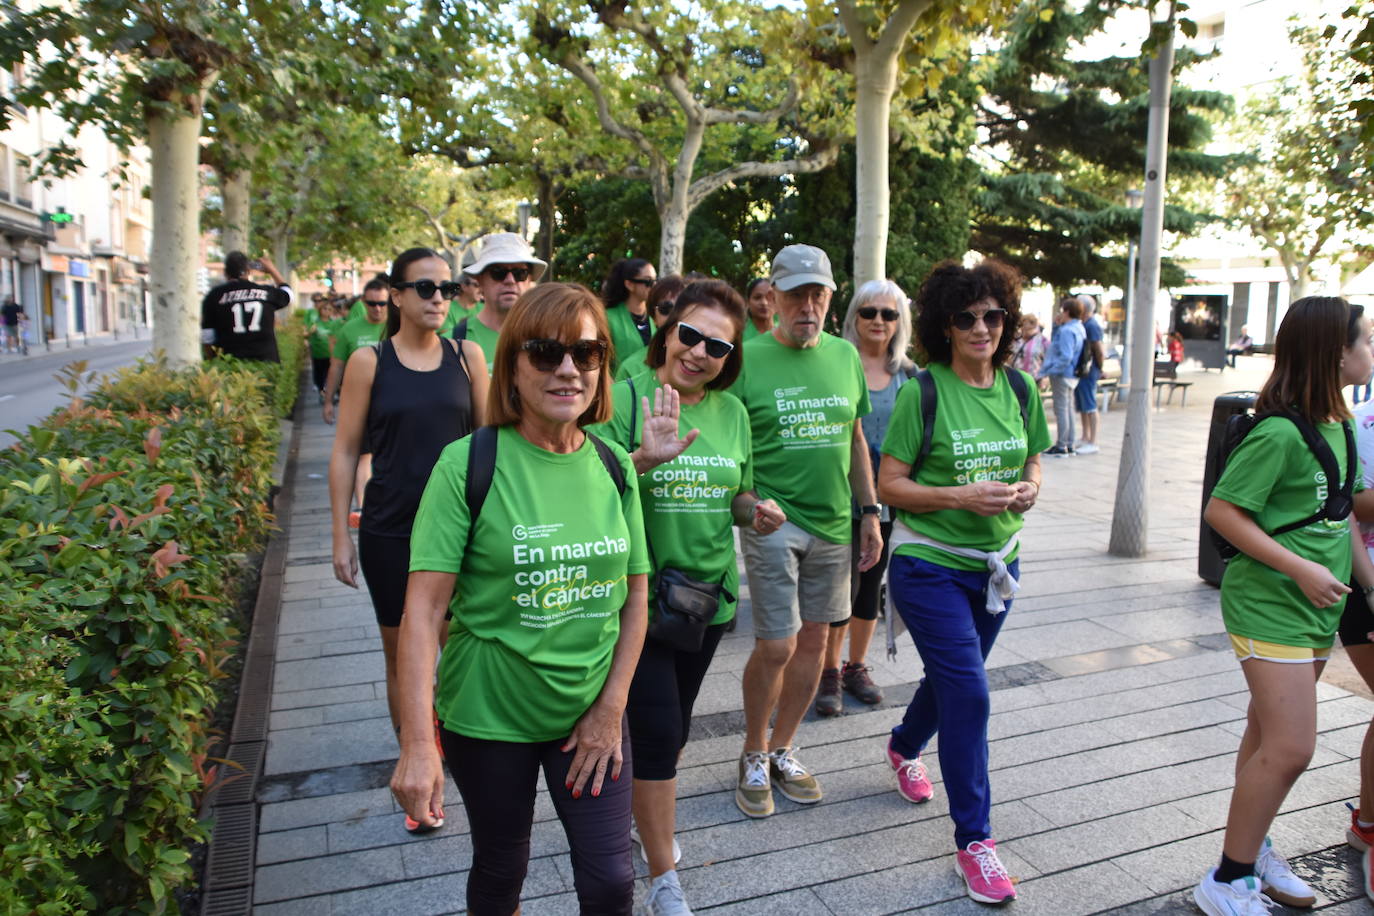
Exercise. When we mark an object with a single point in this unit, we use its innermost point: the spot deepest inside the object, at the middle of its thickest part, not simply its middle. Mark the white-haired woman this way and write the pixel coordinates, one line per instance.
(879, 325)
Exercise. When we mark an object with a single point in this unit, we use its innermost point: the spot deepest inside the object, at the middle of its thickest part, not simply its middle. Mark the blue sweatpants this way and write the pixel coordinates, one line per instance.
(945, 611)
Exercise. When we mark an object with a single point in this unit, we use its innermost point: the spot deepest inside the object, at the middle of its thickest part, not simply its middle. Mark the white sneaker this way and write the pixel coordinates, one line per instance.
(1278, 880)
(665, 897)
(1241, 897)
(643, 854)
(1085, 448)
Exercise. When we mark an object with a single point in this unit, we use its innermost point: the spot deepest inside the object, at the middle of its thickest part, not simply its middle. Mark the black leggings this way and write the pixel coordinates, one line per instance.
(662, 694)
(385, 562)
(319, 366)
(498, 781)
(1356, 619)
(866, 588)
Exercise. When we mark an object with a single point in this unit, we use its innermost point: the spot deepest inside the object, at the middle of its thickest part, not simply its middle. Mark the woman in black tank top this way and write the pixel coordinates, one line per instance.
(408, 397)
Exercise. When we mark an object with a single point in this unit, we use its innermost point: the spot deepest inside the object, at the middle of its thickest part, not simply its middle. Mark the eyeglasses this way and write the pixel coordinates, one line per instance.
(965, 320)
(425, 289)
(715, 347)
(498, 273)
(370, 304)
(869, 312)
(546, 355)
(664, 307)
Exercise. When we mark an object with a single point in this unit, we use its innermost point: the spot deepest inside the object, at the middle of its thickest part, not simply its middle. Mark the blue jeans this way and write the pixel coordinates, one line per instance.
(944, 610)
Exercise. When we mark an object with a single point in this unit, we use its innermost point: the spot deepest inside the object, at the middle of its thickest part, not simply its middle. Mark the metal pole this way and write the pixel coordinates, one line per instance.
(1133, 198)
(1130, 516)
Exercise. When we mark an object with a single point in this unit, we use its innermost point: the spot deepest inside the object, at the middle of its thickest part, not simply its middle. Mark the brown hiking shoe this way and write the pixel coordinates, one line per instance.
(829, 699)
(860, 685)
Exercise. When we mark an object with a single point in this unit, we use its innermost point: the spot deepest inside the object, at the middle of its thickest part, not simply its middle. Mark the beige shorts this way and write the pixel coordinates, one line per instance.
(794, 576)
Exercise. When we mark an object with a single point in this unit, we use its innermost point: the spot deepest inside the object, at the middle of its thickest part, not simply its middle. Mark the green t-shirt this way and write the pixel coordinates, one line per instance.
(536, 610)
(633, 366)
(319, 330)
(978, 436)
(625, 335)
(356, 310)
(354, 334)
(1274, 476)
(484, 337)
(802, 405)
(456, 313)
(687, 500)
(750, 332)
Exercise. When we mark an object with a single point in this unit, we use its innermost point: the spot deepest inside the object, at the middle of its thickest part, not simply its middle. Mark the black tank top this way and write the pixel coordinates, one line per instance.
(412, 416)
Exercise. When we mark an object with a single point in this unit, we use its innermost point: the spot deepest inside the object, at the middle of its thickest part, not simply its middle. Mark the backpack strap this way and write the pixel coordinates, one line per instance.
(1022, 390)
(634, 409)
(460, 330)
(611, 462)
(481, 469)
(1339, 502)
(928, 402)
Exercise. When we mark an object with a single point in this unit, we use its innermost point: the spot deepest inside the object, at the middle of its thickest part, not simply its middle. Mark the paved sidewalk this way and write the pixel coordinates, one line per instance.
(1116, 715)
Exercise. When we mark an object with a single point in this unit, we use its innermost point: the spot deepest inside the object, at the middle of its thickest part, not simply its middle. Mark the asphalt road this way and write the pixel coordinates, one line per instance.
(29, 390)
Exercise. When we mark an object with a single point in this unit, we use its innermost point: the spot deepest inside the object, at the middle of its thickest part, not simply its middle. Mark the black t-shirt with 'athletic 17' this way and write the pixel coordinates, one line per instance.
(242, 315)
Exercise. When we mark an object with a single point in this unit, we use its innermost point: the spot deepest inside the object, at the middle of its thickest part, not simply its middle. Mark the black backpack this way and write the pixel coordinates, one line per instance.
(1084, 365)
(929, 399)
(1339, 501)
(482, 468)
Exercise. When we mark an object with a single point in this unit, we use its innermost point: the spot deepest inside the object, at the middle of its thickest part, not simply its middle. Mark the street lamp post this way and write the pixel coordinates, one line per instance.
(1134, 197)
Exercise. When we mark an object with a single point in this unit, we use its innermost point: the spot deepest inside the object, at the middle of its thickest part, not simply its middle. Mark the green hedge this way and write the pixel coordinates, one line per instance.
(126, 521)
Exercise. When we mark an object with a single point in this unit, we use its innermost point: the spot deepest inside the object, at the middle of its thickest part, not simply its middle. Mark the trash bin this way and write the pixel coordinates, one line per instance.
(1210, 565)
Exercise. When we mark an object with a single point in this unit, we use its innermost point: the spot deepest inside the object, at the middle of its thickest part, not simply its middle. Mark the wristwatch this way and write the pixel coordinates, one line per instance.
(873, 509)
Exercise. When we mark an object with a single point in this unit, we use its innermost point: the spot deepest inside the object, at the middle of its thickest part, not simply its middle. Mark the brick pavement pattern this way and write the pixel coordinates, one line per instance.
(1117, 710)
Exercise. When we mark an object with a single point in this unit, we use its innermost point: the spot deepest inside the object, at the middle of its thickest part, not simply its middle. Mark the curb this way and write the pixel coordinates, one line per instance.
(227, 887)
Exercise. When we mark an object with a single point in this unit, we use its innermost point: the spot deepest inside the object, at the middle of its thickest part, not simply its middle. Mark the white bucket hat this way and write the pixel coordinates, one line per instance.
(506, 248)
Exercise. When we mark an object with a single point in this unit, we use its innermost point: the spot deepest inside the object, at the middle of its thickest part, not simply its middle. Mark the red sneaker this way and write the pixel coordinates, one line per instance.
(355, 519)
(414, 826)
(987, 880)
(912, 782)
(1362, 838)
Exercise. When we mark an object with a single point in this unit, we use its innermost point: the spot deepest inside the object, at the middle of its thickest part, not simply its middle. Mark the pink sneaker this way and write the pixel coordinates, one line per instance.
(983, 873)
(912, 783)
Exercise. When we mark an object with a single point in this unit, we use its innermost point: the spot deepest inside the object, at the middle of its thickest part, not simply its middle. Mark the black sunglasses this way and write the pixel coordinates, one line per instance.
(641, 281)
(715, 347)
(498, 273)
(425, 288)
(664, 307)
(371, 304)
(869, 312)
(547, 355)
(965, 320)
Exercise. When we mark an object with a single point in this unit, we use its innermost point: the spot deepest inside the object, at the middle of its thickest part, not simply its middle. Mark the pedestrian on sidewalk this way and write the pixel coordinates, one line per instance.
(960, 489)
(1357, 623)
(409, 396)
(505, 270)
(357, 333)
(1085, 394)
(626, 295)
(1066, 345)
(530, 535)
(12, 315)
(1282, 595)
(878, 324)
(763, 309)
(805, 392)
(696, 486)
(238, 317)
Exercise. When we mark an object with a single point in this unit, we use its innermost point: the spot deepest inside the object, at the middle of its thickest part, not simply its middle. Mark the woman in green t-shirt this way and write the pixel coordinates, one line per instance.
(626, 295)
(1281, 597)
(693, 488)
(543, 568)
(955, 539)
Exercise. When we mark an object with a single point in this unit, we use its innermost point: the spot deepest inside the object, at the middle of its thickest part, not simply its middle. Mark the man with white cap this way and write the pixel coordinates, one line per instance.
(505, 268)
(805, 392)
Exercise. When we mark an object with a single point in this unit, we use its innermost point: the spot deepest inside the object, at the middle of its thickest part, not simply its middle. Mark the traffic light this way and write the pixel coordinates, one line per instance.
(329, 278)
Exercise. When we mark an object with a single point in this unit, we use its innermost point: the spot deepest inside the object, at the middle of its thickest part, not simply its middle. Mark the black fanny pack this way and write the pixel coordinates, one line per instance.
(683, 608)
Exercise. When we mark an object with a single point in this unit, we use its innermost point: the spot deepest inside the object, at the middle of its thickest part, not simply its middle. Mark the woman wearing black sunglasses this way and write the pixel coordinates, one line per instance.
(955, 539)
(545, 580)
(408, 396)
(693, 488)
(626, 295)
(878, 324)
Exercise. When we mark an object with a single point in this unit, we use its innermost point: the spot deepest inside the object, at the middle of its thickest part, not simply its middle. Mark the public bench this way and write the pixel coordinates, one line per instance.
(1166, 376)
